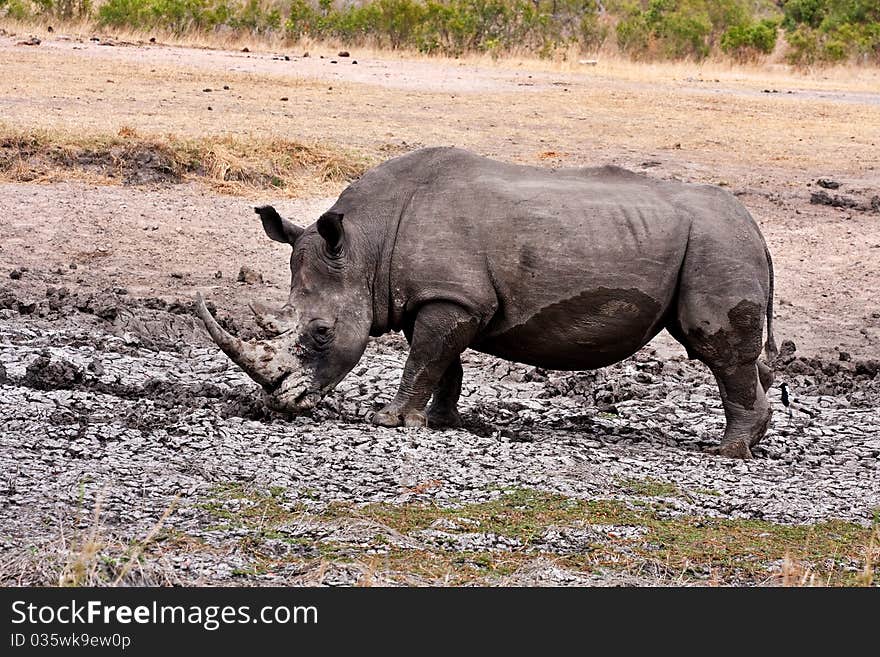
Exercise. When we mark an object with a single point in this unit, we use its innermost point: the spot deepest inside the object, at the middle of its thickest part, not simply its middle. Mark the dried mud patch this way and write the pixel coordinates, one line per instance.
(134, 427)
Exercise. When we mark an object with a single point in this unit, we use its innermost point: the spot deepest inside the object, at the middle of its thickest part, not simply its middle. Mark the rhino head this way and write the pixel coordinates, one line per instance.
(322, 330)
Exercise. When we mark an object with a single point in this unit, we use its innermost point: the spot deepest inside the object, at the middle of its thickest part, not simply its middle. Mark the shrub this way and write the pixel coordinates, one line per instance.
(684, 35)
(119, 13)
(817, 30)
(804, 46)
(593, 31)
(803, 12)
(634, 35)
(832, 30)
(749, 41)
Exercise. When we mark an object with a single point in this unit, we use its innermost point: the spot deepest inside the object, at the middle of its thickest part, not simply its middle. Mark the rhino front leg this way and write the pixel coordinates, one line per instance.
(443, 411)
(440, 333)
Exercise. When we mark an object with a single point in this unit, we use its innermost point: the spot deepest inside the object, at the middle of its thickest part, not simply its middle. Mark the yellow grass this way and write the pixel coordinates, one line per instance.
(225, 164)
(609, 61)
(627, 115)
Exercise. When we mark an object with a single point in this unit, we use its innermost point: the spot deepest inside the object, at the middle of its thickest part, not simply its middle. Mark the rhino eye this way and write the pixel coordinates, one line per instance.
(322, 332)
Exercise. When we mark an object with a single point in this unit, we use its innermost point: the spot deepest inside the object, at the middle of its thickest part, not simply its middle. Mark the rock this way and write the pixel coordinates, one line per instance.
(95, 367)
(3, 376)
(8, 299)
(844, 356)
(46, 373)
(868, 367)
(786, 351)
(15, 274)
(249, 276)
(342, 53)
(27, 306)
(827, 183)
(824, 198)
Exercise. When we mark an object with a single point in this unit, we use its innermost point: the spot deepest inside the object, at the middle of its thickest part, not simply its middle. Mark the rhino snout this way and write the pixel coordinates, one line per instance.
(295, 395)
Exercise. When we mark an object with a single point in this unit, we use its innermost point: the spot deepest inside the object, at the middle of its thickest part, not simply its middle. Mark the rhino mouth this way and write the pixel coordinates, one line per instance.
(293, 394)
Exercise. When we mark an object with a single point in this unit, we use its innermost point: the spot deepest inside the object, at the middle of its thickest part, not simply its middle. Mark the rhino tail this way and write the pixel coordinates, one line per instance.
(770, 349)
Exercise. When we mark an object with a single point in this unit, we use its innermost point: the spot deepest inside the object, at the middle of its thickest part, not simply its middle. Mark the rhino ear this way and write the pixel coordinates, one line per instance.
(330, 228)
(277, 227)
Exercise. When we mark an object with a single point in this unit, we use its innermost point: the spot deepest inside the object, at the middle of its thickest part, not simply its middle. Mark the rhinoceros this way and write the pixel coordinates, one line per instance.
(565, 269)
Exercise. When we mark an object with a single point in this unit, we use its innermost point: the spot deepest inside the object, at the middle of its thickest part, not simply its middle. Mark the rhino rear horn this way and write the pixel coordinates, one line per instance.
(266, 319)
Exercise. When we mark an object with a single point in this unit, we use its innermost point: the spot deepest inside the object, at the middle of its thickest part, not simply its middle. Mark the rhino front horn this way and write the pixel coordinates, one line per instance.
(263, 361)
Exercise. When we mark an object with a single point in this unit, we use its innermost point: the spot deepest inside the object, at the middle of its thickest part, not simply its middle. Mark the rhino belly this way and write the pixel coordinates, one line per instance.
(591, 330)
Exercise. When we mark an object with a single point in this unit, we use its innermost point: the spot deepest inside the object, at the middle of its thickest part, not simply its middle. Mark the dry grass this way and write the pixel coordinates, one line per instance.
(89, 555)
(872, 557)
(624, 113)
(609, 61)
(95, 560)
(81, 565)
(226, 164)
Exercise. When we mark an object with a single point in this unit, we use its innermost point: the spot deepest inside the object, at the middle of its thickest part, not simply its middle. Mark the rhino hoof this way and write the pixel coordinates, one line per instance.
(736, 450)
(415, 419)
(385, 418)
(391, 418)
(439, 419)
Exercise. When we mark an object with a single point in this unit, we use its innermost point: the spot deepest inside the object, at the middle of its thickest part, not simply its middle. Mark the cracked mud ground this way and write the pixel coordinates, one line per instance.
(134, 452)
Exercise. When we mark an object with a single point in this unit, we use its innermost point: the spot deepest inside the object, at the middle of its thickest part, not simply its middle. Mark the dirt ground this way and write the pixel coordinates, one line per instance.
(114, 403)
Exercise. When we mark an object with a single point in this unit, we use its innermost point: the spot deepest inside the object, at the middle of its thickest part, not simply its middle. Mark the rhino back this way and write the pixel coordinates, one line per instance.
(568, 268)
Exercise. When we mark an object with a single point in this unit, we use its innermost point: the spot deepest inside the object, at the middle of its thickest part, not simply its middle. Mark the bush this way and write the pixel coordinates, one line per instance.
(817, 30)
(749, 41)
(832, 30)
(678, 28)
(803, 12)
(63, 9)
(804, 46)
(119, 13)
(634, 35)
(684, 35)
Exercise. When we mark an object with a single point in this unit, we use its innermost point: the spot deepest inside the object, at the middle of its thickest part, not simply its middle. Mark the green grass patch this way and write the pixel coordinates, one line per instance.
(686, 548)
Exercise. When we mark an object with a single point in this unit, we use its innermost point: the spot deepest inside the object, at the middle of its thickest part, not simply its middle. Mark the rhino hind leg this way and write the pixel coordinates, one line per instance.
(443, 411)
(441, 332)
(765, 375)
(725, 334)
(746, 410)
